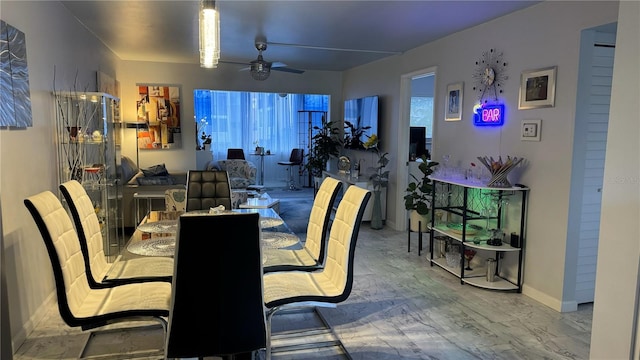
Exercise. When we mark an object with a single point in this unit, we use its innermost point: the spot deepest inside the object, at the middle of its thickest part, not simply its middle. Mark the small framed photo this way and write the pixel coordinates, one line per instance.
(530, 130)
(453, 107)
(537, 88)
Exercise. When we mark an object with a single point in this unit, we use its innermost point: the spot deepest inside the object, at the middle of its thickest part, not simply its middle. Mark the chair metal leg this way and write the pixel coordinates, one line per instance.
(292, 184)
(90, 335)
(269, 314)
(307, 304)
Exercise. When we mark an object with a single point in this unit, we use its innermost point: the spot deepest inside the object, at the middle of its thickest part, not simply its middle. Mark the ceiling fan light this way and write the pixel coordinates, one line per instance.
(260, 70)
(209, 34)
(260, 75)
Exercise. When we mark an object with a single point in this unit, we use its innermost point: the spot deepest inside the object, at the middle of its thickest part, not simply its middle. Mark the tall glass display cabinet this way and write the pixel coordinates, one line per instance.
(88, 133)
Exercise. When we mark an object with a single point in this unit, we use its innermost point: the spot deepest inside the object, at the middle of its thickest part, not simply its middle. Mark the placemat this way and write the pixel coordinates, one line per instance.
(165, 246)
(277, 240)
(268, 222)
(162, 226)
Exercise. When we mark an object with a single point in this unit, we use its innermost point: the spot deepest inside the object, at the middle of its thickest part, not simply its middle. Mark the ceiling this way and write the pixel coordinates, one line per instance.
(167, 31)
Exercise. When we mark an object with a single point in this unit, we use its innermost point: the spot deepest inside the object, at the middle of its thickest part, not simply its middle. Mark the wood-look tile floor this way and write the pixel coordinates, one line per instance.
(400, 308)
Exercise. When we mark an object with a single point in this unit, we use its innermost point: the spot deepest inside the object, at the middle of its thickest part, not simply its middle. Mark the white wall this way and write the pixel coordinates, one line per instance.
(616, 298)
(28, 156)
(547, 34)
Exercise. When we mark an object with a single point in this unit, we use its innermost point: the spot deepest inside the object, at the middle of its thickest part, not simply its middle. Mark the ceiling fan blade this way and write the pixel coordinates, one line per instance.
(262, 65)
(287, 69)
(280, 66)
(247, 66)
(335, 49)
(233, 62)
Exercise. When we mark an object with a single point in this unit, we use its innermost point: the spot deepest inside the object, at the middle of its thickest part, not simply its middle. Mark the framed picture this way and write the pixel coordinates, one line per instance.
(158, 106)
(537, 88)
(453, 108)
(530, 130)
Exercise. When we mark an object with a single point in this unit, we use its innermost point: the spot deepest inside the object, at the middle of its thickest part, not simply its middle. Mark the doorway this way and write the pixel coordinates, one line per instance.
(421, 116)
(595, 74)
(417, 96)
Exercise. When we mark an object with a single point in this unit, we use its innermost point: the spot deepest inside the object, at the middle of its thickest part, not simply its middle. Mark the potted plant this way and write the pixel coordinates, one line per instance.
(324, 144)
(353, 139)
(418, 198)
(379, 179)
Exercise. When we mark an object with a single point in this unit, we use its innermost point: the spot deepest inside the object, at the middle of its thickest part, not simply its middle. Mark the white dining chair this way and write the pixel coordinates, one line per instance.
(333, 283)
(140, 269)
(312, 256)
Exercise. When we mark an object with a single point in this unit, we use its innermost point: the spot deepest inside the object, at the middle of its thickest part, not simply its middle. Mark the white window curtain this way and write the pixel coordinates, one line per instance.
(246, 120)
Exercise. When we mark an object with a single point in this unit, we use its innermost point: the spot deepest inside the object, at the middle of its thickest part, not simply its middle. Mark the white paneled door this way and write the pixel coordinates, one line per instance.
(597, 122)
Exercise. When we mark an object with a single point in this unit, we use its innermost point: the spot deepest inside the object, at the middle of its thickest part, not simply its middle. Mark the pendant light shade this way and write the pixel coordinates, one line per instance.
(209, 34)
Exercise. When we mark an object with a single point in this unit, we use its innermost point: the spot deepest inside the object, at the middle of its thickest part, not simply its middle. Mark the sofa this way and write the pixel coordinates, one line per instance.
(155, 179)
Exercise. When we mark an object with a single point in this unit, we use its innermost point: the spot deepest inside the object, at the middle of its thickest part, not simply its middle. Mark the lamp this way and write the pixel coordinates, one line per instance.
(209, 34)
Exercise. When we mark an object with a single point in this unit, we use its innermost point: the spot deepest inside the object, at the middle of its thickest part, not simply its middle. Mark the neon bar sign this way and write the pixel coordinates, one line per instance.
(489, 115)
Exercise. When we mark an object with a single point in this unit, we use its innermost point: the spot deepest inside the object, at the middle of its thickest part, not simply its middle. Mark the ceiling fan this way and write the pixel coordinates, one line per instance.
(261, 69)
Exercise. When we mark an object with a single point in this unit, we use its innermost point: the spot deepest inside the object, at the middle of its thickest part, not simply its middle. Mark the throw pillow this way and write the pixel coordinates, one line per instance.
(129, 169)
(155, 170)
(134, 179)
(155, 180)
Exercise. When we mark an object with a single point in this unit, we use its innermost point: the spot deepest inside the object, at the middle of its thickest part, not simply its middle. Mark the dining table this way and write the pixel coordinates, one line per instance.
(156, 233)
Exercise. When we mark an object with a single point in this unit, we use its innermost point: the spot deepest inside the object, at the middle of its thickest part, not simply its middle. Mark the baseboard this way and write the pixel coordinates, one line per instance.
(35, 319)
(555, 304)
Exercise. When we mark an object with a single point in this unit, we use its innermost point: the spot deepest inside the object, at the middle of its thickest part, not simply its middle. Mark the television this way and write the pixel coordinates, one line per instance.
(417, 142)
(360, 121)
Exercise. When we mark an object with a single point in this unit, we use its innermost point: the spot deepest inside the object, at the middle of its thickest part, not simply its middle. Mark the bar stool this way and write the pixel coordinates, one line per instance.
(296, 157)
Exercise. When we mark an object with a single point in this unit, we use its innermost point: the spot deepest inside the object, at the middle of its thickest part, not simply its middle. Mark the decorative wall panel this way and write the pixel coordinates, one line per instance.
(15, 97)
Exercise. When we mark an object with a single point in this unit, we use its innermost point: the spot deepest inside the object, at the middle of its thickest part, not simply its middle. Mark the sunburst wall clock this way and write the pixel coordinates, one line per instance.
(489, 76)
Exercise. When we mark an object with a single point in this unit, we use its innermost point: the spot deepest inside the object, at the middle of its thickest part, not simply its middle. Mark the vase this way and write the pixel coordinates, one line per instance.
(376, 213)
(499, 181)
(419, 223)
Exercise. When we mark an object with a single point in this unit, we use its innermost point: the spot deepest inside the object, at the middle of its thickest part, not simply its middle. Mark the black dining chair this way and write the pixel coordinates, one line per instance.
(235, 154)
(207, 189)
(295, 158)
(223, 313)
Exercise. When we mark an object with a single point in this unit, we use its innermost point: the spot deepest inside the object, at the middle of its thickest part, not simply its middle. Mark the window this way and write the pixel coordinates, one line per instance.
(245, 120)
